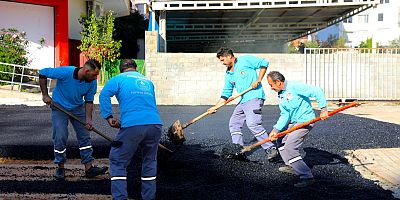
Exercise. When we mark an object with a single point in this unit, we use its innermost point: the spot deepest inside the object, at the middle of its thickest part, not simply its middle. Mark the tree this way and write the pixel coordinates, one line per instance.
(366, 44)
(394, 43)
(330, 41)
(311, 44)
(97, 40)
(341, 43)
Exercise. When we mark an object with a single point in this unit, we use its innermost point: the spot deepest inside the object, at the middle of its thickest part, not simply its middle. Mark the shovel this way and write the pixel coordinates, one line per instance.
(175, 131)
(114, 143)
(249, 148)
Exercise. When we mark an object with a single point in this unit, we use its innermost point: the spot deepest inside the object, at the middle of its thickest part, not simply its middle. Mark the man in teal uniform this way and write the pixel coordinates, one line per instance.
(241, 74)
(295, 106)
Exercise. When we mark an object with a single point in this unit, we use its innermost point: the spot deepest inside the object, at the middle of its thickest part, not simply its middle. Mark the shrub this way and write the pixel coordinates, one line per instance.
(112, 68)
(97, 40)
(12, 50)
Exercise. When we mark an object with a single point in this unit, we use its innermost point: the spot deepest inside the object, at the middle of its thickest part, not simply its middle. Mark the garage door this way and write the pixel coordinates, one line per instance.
(38, 23)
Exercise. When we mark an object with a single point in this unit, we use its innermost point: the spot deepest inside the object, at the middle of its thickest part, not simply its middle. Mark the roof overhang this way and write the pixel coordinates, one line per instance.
(221, 22)
(119, 8)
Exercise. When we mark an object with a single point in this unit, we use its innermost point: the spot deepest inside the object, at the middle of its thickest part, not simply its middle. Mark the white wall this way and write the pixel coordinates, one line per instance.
(75, 9)
(38, 22)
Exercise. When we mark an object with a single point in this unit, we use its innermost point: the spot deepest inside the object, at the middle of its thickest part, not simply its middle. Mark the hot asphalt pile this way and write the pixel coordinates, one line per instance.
(197, 170)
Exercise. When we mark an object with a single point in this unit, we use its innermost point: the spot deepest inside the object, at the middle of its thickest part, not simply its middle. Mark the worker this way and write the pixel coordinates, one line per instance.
(140, 128)
(74, 91)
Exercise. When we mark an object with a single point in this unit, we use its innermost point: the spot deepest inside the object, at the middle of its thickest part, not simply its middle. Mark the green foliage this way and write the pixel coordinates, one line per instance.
(311, 44)
(292, 48)
(97, 40)
(394, 43)
(341, 43)
(366, 44)
(334, 42)
(112, 68)
(12, 50)
(300, 49)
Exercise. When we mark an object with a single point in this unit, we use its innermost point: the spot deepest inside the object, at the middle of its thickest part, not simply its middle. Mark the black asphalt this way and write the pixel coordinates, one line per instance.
(196, 171)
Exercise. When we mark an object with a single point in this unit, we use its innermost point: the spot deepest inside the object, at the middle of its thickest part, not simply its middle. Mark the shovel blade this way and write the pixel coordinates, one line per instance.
(175, 133)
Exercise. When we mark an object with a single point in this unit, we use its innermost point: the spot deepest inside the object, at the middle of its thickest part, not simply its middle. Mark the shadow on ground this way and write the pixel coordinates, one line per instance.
(314, 156)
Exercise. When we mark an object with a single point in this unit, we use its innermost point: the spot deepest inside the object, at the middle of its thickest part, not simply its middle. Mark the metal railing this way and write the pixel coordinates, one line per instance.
(20, 76)
(349, 73)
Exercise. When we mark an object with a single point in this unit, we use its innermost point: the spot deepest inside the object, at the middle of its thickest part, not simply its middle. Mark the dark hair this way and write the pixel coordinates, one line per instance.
(223, 51)
(275, 75)
(127, 63)
(93, 64)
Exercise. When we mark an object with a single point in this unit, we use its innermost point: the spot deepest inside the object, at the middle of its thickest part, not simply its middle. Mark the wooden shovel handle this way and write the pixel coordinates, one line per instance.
(60, 108)
(206, 113)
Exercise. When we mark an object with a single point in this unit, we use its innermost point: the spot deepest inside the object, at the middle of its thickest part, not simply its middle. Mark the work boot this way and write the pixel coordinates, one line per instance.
(304, 182)
(59, 175)
(272, 154)
(287, 169)
(95, 171)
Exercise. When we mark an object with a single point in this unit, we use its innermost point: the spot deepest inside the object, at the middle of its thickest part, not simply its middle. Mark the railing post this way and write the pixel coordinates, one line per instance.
(12, 78)
(22, 78)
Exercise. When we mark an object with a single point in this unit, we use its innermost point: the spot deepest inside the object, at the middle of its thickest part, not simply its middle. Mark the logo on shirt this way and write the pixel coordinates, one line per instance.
(289, 96)
(143, 85)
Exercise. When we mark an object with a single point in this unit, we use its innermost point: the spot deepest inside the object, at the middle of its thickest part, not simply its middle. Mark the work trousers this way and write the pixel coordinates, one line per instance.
(146, 138)
(250, 112)
(60, 135)
(290, 150)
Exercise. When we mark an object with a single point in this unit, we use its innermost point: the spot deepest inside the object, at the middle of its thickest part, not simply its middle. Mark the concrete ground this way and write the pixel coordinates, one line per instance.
(374, 162)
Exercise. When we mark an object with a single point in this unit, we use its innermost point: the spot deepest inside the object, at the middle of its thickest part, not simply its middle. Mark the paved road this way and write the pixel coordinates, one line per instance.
(197, 172)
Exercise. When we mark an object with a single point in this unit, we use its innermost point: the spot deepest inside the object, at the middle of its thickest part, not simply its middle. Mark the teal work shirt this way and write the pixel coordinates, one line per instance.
(295, 103)
(70, 92)
(244, 74)
(136, 98)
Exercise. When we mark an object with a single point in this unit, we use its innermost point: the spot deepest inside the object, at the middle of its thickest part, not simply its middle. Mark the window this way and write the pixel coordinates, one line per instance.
(384, 1)
(380, 17)
(362, 19)
(348, 20)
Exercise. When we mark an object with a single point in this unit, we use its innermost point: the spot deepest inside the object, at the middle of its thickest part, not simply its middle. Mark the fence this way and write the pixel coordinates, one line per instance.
(18, 75)
(365, 74)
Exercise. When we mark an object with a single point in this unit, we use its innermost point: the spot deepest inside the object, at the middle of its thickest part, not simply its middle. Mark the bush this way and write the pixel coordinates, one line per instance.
(292, 48)
(394, 43)
(366, 44)
(97, 40)
(12, 50)
(112, 68)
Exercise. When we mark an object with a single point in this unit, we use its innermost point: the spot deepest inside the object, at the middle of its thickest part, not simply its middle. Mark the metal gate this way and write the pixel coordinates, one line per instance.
(365, 74)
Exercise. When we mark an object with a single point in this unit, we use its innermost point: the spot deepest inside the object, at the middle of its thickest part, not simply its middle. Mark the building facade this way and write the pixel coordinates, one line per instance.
(380, 23)
(52, 27)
